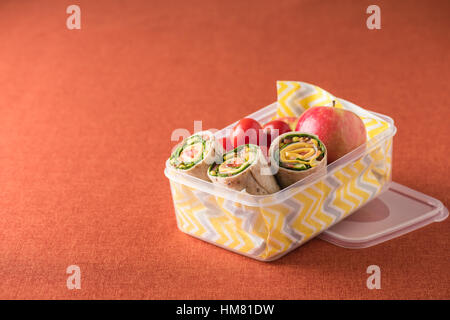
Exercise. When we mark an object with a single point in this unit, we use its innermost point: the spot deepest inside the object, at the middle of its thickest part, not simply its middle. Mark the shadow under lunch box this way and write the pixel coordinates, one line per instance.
(266, 227)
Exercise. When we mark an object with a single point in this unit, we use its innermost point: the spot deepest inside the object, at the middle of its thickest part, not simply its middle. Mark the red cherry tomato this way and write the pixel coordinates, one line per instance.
(246, 131)
(291, 121)
(275, 128)
(226, 143)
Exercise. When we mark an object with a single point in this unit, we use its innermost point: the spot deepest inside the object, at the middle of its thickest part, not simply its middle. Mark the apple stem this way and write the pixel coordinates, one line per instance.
(334, 103)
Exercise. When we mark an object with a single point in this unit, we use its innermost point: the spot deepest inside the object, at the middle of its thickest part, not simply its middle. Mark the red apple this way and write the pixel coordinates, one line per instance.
(291, 121)
(340, 130)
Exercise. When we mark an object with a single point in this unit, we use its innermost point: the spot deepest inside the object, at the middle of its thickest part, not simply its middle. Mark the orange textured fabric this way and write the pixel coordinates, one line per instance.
(85, 123)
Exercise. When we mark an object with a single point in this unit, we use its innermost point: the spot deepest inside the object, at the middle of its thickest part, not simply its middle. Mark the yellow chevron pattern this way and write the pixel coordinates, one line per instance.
(295, 97)
(267, 231)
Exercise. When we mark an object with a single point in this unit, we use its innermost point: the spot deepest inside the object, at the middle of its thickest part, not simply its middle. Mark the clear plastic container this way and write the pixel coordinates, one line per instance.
(397, 211)
(268, 227)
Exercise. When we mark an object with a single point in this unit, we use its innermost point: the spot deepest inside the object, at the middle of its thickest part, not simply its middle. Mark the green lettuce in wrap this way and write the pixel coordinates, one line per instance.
(194, 154)
(243, 169)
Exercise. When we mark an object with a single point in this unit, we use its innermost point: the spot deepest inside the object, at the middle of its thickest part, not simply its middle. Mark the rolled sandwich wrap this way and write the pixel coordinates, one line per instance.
(195, 153)
(298, 155)
(244, 168)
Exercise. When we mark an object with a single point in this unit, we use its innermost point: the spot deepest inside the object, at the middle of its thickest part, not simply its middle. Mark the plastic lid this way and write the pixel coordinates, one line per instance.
(397, 211)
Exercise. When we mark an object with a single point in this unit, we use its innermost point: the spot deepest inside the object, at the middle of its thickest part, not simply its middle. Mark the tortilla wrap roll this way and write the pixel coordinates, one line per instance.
(245, 167)
(195, 153)
(297, 155)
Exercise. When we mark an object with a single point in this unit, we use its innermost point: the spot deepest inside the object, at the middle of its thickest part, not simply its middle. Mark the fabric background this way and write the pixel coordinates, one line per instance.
(85, 123)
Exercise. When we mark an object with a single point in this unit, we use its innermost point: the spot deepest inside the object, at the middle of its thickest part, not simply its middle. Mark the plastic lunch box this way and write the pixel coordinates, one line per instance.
(267, 227)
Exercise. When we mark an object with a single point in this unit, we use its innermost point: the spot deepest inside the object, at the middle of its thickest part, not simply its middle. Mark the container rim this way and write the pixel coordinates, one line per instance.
(282, 195)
